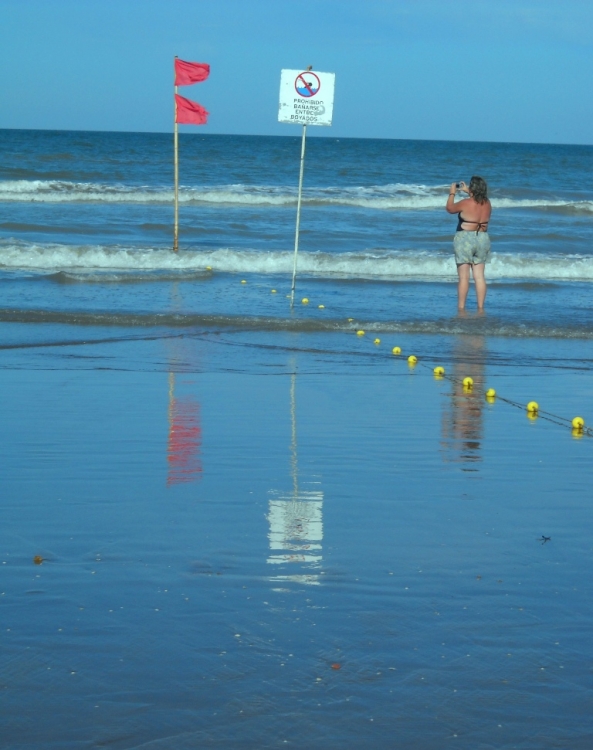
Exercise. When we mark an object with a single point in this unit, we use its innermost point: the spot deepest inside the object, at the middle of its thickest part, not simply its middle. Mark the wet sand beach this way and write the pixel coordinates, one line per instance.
(240, 539)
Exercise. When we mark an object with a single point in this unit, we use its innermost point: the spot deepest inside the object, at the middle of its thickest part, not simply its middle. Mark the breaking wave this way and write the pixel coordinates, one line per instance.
(381, 197)
(105, 263)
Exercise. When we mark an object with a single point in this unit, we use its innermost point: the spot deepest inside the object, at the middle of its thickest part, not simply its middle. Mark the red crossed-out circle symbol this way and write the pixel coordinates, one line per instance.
(307, 84)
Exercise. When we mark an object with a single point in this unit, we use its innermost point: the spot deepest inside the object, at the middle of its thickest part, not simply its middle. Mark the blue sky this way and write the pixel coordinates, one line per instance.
(492, 70)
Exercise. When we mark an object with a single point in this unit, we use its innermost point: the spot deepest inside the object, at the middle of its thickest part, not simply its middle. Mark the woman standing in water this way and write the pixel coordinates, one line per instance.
(471, 243)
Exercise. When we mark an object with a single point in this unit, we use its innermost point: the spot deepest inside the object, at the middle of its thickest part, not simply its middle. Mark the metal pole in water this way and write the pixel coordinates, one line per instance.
(298, 216)
(176, 169)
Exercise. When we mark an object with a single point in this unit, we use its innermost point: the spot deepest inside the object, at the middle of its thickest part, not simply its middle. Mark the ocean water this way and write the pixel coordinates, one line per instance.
(226, 523)
(86, 229)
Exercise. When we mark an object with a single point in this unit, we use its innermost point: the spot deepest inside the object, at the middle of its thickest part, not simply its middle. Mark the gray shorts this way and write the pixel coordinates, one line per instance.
(471, 247)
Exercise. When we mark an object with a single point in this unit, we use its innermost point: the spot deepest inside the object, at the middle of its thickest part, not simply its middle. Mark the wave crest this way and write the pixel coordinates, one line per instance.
(398, 196)
(371, 264)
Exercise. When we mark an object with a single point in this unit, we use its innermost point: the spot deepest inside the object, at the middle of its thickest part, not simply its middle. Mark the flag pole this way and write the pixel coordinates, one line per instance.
(298, 216)
(176, 167)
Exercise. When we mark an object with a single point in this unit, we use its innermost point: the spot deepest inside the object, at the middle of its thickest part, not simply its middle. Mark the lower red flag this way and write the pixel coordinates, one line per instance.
(188, 112)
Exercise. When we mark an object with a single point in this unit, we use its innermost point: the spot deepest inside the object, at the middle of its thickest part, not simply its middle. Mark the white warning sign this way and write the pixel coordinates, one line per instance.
(306, 97)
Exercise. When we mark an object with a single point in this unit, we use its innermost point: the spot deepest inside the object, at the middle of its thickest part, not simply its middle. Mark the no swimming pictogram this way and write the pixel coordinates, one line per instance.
(306, 98)
(307, 84)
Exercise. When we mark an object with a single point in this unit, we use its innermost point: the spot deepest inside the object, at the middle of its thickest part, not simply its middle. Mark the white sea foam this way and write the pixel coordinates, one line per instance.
(379, 197)
(51, 258)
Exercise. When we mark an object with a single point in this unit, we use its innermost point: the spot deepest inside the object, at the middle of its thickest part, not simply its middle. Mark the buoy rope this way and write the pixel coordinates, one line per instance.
(548, 416)
(540, 413)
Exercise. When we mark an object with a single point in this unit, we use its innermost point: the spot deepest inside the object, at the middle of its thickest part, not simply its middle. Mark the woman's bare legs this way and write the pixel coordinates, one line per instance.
(462, 285)
(480, 282)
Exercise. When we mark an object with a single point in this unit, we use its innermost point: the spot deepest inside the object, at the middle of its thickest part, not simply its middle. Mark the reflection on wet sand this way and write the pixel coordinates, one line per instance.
(184, 438)
(296, 519)
(462, 428)
(185, 433)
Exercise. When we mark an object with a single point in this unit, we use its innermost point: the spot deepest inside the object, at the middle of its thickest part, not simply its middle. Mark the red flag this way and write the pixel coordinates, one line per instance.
(188, 112)
(187, 73)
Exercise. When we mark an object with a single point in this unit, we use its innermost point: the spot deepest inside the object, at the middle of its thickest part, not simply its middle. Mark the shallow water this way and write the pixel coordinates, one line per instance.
(86, 226)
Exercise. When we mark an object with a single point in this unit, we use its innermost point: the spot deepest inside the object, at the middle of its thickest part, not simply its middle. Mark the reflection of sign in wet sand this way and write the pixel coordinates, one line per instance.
(296, 521)
(296, 529)
(185, 438)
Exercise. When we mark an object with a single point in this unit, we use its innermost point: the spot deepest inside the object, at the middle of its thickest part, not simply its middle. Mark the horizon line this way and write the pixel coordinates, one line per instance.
(320, 135)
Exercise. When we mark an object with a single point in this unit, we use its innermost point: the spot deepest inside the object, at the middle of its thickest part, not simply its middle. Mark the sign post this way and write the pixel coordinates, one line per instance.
(306, 98)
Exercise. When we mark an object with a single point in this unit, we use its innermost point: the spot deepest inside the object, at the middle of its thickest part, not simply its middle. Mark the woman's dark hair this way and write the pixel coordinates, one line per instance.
(478, 189)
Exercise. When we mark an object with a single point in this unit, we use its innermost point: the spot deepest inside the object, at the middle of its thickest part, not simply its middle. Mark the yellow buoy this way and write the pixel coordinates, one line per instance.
(321, 307)
(243, 281)
(533, 407)
(468, 383)
(412, 359)
(305, 301)
(273, 291)
(490, 393)
(350, 320)
(396, 350)
(377, 341)
(578, 423)
(439, 371)
(360, 333)
(208, 268)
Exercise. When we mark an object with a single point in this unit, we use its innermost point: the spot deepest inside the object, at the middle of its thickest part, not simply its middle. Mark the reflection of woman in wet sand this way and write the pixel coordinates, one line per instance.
(462, 416)
(471, 243)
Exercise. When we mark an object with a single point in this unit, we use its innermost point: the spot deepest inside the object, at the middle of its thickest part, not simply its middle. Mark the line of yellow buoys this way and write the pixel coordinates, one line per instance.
(579, 428)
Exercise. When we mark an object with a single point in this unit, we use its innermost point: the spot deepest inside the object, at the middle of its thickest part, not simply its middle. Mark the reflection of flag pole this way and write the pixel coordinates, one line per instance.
(171, 398)
(184, 439)
(298, 216)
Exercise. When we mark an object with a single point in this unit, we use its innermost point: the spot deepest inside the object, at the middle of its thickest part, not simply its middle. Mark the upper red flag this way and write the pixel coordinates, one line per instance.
(187, 73)
(188, 112)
